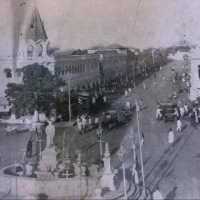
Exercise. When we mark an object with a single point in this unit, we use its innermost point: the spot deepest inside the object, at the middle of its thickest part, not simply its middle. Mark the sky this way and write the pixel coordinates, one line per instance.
(82, 24)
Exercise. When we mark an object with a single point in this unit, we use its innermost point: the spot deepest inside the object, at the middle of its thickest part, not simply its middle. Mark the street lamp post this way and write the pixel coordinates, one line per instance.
(39, 139)
(121, 154)
(69, 95)
(100, 143)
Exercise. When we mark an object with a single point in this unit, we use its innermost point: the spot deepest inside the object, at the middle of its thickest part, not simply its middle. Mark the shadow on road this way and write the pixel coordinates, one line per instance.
(171, 194)
(146, 161)
(114, 150)
(170, 163)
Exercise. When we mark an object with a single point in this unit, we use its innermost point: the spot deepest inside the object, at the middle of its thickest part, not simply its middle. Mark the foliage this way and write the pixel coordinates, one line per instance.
(37, 90)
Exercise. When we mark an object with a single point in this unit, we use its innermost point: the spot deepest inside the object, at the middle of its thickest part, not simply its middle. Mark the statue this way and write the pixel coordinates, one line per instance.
(50, 132)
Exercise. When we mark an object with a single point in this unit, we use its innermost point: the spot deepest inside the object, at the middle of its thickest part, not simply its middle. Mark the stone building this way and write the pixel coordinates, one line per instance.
(89, 71)
(194, 57)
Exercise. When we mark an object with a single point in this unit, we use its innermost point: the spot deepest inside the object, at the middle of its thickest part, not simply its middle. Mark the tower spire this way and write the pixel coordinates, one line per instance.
(36, 30)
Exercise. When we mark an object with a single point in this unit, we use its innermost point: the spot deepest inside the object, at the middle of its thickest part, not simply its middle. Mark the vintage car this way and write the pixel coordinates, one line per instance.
(168, 109)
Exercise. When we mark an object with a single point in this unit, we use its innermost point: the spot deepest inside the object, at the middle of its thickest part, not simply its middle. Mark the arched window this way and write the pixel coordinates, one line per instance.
(30, 51)
(40, 49)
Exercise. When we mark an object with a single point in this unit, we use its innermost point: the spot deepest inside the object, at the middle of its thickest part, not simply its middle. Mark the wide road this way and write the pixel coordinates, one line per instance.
(175, 171)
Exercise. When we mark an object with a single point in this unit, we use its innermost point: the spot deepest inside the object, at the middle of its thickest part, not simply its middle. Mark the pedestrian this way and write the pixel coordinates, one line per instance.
(126, 92)
(142, 140)
(157, 195)
(179, 125)
(186, 108)
(174, 94)
(169, 96)
(171, 137)
(176, 113)
(179, 104)
(99, 132)
(80, 126)
(163, 78)
(182, 111)
(196, 115)
(104, 99)
(141, 104)
(84, 121)
(144, 86)
(90, 122)
(96, 120)
(29, 147)
(128, 104)
(158, 113)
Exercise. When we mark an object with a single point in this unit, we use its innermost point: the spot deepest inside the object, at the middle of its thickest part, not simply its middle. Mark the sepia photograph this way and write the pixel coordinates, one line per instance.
(99, 99)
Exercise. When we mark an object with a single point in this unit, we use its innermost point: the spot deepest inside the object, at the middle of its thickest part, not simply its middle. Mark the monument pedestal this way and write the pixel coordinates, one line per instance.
(43, 176)
(107, 180)
(48, 160)
(47, 165)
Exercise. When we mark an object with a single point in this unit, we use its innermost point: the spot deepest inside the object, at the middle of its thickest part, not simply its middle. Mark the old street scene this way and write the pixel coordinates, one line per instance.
(99, 101)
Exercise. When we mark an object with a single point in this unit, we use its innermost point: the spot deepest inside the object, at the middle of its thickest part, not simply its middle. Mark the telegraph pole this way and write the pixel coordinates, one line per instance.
(69, 95)
(141, 158)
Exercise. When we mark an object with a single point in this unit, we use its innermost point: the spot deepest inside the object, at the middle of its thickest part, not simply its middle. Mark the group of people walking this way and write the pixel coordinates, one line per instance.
(86, 123)
(127, 91)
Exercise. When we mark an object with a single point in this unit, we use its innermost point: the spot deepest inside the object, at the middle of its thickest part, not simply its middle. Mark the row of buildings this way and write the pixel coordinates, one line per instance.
(86, 70)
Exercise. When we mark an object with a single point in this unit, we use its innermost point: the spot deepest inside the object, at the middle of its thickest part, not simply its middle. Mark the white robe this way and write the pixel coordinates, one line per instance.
(182, 111)
(79, 125)
(171, 137)
(179, 125)
(158, 113)
(186, 108)
(157, 195)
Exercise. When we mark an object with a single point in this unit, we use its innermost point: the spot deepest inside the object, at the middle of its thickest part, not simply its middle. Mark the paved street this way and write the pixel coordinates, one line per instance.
(175, 171)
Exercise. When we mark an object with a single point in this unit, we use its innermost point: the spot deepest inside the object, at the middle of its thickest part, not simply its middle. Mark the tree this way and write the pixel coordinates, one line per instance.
(38, 90)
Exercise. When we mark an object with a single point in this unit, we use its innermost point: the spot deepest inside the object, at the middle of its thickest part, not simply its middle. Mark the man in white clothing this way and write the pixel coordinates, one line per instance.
(158, 113)
(179, 125)
(144, 86)
(171, 137)
(186, 108)
(126, 93)
(157, 195)
(182, 111)
(128, 104)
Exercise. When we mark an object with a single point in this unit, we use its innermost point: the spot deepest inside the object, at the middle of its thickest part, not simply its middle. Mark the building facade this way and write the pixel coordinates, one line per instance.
(90, 71)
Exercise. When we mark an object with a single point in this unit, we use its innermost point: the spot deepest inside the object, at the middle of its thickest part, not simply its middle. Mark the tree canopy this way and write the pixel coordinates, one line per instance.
(38, 90)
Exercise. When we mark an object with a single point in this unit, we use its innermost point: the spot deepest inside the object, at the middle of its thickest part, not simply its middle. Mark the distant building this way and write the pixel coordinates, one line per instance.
(195, 74)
